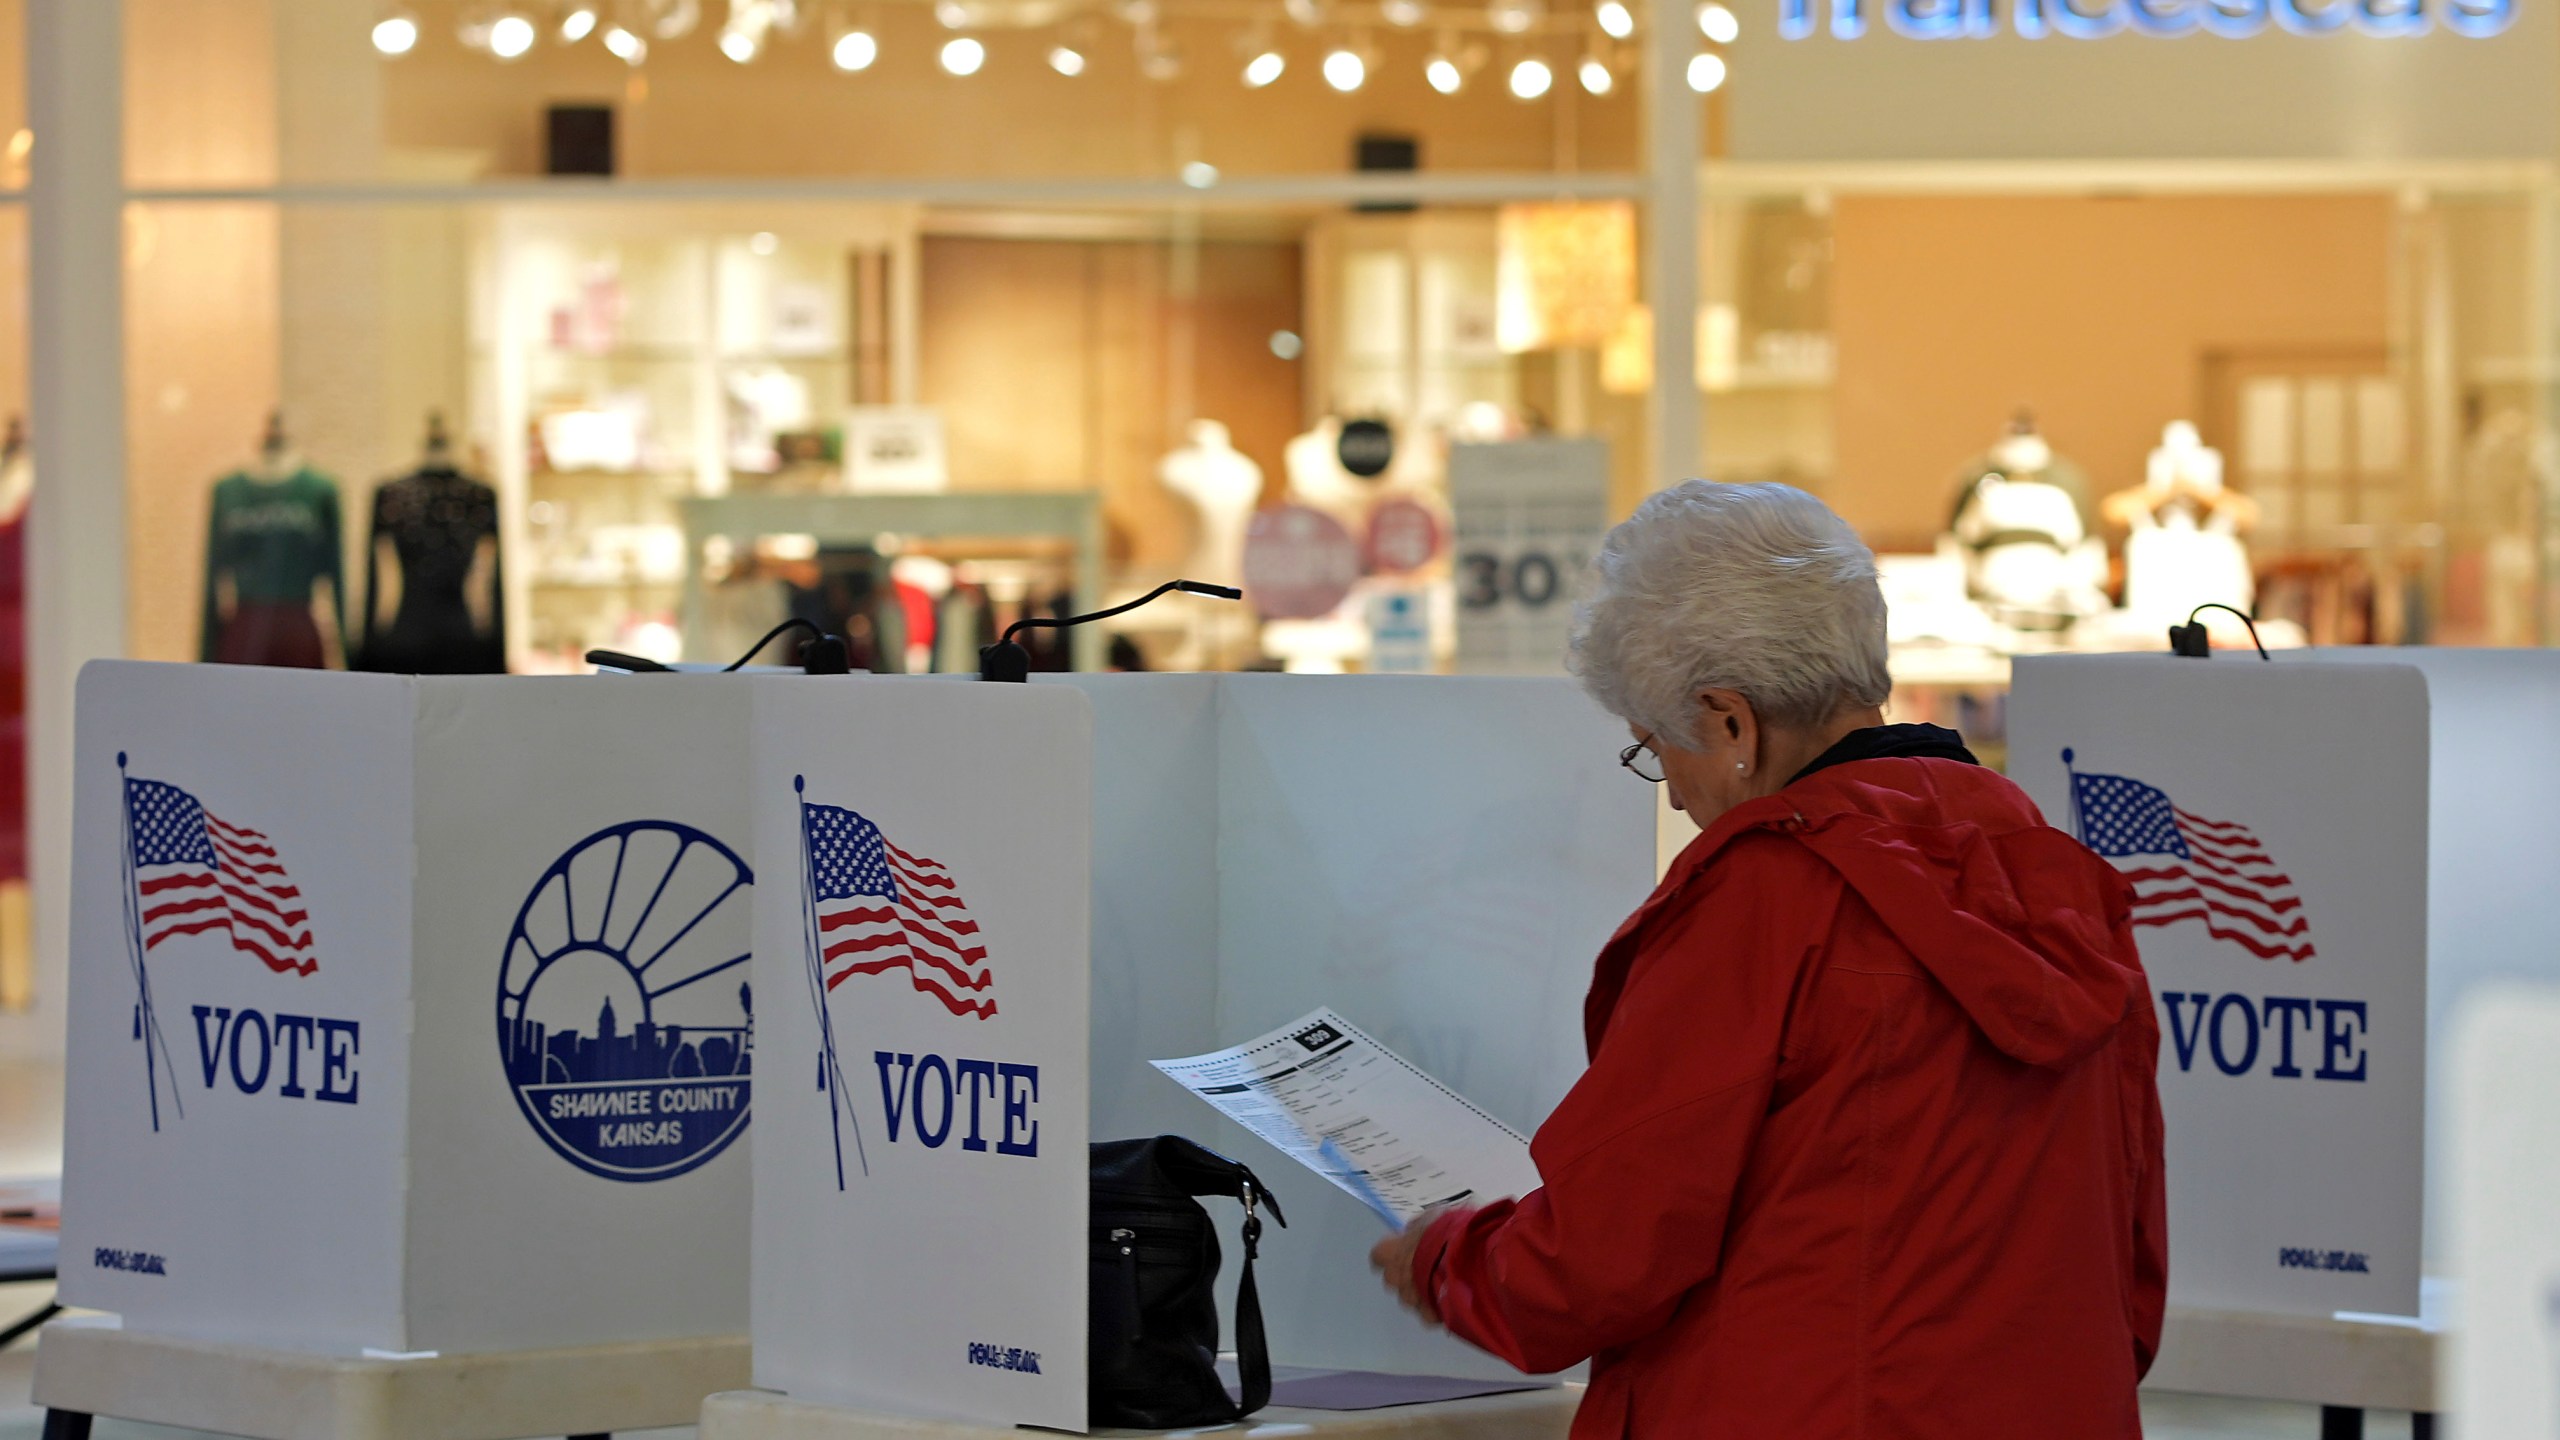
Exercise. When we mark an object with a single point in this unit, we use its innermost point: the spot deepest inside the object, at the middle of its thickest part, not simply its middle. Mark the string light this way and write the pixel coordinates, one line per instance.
(577, 24)
(1444, 75)
(853, 51)
(1533, 77)
(1596, 78)
(1706, 72)
(625, 45)
(1616, 20)
(510, 36)
(963, 55)
(1718, 23)
(1067, 60)
(1403, 14)
(396, 33)
(739, 44)
(1345, 71)
(1264, 68)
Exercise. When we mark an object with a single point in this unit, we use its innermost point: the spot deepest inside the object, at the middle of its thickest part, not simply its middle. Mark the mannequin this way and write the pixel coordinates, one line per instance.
(273, 537)
(1316, 476)
(1225, 485)
(437, 526)
(2020, 525)
(2185, 549)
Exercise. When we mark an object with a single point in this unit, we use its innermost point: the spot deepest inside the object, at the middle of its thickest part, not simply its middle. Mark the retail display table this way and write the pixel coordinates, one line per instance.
(2336, 1364)
(90, 1366)
(1522, 1415)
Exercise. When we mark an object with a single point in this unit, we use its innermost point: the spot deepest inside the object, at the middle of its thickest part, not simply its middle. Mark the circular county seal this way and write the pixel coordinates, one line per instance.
(624, 1014)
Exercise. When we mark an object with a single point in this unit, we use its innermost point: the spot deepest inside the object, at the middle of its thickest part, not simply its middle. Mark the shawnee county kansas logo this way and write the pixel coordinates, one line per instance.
(623, 1007)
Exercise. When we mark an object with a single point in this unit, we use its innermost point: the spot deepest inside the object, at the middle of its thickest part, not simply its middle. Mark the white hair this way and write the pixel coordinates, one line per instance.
(1759, 589)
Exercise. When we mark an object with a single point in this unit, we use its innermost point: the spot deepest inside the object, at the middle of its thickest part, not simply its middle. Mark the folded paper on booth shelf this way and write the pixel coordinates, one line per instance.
(1336, 1101)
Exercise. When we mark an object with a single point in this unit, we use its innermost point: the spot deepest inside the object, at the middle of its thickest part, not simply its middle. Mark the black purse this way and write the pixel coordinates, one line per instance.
(1154, 1330)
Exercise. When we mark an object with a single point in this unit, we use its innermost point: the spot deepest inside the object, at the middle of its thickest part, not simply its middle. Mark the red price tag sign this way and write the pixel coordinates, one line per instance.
(1298, 563)
(1403, 536)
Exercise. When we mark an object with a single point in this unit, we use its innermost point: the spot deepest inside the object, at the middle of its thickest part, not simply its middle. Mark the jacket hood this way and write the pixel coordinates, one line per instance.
(2024, 926)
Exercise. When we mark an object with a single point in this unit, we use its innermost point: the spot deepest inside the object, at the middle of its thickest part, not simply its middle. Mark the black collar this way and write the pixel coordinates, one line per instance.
(1878, 742)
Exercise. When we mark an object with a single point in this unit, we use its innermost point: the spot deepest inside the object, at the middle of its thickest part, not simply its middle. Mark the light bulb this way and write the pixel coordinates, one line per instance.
(1067, 60)
(1266, 67)
(578, 24)
(963, 56)
(1345, 71)
(738, 45)
(1444, 75)
(1200, 175)
(396, 34)
(1595, 75)
(626, 45)
(1706, 72)
(1162, 64)
(1616, 20)
(951, 15)
(510, 36)
(1512, 17)
(1308, 13)
(854, 50)
(1532, 78)
(1718, 23)
(1404, 14)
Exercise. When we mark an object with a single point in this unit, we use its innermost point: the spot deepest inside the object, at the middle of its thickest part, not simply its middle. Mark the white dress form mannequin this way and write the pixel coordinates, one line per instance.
(2185, 547)
(1316, 476)
(1224, 485)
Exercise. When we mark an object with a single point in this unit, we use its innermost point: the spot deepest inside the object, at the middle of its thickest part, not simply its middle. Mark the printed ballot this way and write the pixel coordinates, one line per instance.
(1362, 1116)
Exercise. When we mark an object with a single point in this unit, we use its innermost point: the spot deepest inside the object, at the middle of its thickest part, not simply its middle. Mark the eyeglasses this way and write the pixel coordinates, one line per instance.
(1641, 759)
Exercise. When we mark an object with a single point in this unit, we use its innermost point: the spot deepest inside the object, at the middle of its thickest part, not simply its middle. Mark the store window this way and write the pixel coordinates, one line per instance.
(2339, 384)
(902, 343)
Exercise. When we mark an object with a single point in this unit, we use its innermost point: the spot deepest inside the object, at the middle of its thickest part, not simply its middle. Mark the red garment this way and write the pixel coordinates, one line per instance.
(1870, 1142)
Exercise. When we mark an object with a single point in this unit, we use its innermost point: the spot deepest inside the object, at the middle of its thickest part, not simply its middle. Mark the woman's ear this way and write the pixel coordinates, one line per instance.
(1727, 716)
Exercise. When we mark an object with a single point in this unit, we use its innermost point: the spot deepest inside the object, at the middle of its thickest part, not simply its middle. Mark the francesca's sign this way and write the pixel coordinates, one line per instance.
(2097, 19)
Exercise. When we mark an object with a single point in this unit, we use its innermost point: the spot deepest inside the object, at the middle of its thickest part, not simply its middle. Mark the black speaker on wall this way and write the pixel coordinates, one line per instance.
(1371, 153)
(578, 140)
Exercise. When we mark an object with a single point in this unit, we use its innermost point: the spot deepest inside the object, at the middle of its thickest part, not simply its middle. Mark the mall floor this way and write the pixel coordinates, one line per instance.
(31, 1143)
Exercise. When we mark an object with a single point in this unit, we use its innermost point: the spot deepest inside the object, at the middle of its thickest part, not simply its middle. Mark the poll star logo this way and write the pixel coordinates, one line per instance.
(869, 907)
(187, 875)
(624, 1019)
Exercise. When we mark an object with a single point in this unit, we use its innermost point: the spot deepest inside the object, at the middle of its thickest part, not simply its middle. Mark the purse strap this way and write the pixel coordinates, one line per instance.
(1253, 1350)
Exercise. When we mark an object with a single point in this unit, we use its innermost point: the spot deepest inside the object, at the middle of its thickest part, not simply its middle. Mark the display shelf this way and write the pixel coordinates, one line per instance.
(1072, 516)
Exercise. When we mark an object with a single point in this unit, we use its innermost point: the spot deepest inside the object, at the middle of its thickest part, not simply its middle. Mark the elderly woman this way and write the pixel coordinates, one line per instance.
(1870, 1141)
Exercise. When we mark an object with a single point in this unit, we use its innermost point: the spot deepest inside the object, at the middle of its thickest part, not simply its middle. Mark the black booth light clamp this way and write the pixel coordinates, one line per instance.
(2189, 640)
(1007, 661)
(1004, 660)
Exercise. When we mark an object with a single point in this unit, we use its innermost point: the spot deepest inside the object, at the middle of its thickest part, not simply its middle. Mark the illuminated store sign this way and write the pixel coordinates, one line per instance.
(2095, 19)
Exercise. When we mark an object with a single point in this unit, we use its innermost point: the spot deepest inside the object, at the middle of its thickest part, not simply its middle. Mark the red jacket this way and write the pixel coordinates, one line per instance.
(1870, 1142)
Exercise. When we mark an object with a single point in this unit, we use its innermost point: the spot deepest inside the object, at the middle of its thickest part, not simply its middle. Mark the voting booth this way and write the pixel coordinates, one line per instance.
(2505, 1163)
(2330, 852)
(1011, 899)
(409, 1015)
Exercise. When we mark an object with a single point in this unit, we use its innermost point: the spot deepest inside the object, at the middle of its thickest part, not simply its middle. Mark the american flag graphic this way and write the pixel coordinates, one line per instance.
(194, 872)
(877, 907)
(2187, 867)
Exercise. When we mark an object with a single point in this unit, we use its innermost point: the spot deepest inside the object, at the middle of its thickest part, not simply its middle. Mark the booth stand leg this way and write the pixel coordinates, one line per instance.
(2422, 1426)
(2341, 1422)
(66, 1425)
(599, 1435)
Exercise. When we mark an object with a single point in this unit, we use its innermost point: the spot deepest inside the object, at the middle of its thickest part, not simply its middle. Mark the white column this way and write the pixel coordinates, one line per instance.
(1671, 159)
(75, 344)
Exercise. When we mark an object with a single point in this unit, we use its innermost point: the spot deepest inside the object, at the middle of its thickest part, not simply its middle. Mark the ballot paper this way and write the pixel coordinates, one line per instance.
(1362, 1116)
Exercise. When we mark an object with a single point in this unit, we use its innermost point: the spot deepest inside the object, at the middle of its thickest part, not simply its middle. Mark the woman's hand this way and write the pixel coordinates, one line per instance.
(1392, 1258)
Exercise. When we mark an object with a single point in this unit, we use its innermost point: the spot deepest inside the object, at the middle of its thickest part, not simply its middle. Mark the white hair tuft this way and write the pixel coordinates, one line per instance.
(1759, 589)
